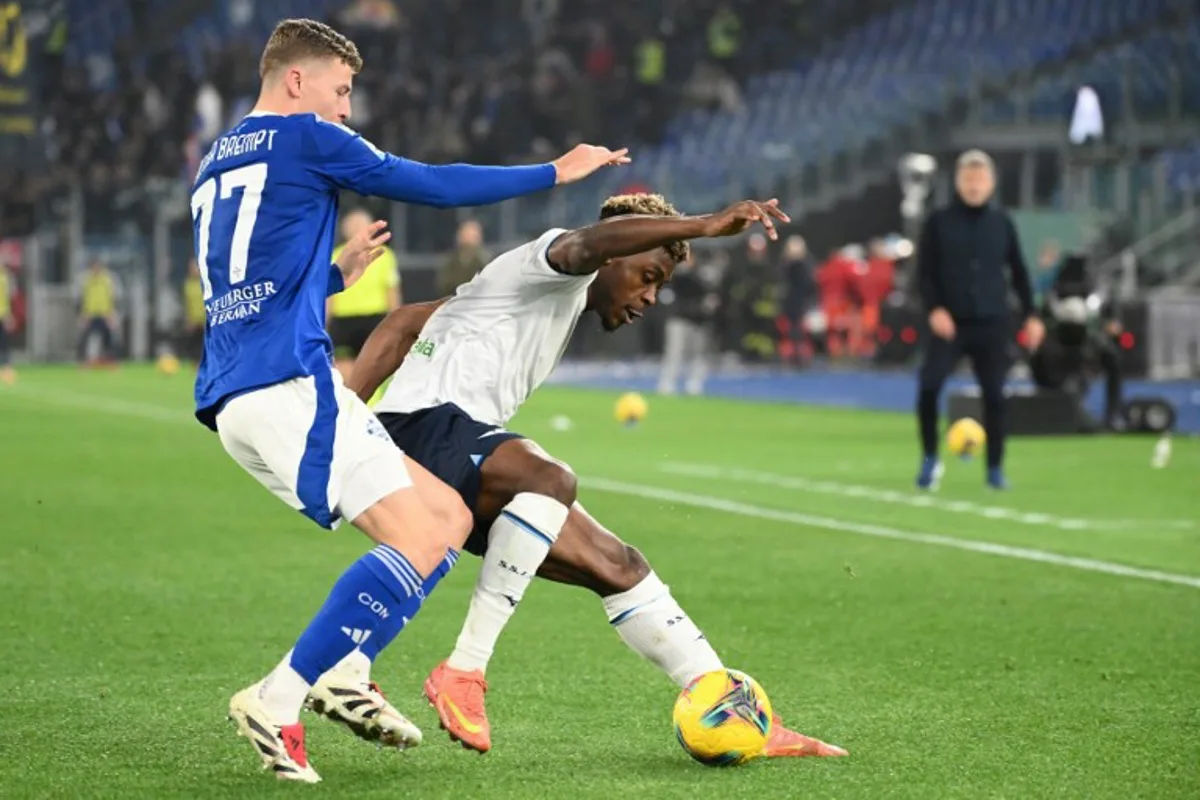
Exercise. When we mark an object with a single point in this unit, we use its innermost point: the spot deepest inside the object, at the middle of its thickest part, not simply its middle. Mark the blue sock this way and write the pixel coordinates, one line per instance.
(390, 629)
(375, 598)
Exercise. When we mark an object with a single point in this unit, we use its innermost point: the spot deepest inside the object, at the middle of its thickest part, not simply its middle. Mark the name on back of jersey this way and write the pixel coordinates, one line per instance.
(238, 144)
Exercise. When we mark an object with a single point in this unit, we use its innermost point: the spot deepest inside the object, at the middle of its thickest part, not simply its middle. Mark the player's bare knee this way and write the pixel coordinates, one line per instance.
(458, 522)
(555, 479)
(425, 552)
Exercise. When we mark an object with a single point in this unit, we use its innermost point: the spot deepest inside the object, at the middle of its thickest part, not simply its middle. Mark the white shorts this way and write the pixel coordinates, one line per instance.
(315, 445)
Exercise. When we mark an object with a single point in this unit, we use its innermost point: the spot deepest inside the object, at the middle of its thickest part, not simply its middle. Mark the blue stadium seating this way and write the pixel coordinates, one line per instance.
(1154, 65)
(1183, 168)
(883, 74)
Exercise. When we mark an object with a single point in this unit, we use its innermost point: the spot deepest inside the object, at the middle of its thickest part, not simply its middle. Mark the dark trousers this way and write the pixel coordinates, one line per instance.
(1066, 366)
(1110, 365)
(99, 326)
(986, 345)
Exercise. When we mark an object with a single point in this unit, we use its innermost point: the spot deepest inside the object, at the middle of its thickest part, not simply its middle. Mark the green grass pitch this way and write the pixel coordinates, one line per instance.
(1040, 643)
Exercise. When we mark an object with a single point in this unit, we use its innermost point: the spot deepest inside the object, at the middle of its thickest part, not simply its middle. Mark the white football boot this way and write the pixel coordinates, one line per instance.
(280, 747)
(363, 709)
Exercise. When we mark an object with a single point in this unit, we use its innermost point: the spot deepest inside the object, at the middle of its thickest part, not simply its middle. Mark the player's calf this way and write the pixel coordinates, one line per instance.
(639, 606)
(529, 494)
(376, 597)
(518, 542)
(532, 494)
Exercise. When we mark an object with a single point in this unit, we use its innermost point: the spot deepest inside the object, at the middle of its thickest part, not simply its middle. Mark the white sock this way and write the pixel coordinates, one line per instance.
(355, 667)
(653, 625)
(283, 692)
(518, 543)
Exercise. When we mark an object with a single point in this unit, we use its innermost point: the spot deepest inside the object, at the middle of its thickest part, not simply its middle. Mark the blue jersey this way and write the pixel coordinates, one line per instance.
(264, 212)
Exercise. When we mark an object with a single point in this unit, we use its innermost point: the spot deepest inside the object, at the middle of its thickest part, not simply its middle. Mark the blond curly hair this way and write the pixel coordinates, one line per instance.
(649, 205)
(296, 39)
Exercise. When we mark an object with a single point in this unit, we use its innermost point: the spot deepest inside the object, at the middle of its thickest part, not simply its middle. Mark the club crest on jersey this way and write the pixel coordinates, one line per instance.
(424, 348)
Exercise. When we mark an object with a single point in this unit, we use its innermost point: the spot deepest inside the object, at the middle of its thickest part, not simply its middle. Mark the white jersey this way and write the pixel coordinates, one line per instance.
(492, 344)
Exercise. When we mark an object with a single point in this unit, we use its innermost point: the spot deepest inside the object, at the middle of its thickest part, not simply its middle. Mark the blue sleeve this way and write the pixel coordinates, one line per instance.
(349, 161)
(337, 283)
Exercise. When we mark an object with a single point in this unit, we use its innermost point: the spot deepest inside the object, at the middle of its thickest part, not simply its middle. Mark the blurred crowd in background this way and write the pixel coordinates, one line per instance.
(445, 80)
(721, 96)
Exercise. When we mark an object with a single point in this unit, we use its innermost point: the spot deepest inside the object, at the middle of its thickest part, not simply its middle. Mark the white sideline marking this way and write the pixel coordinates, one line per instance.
(881, 532)
(96, 402)
(913, 498)
(145, 411)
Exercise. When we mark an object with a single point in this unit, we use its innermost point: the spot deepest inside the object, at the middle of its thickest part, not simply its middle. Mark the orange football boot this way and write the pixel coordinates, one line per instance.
(457, 695)
(785, 743)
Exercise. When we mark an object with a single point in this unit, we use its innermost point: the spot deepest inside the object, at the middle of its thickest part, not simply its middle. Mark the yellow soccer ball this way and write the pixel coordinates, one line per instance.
(965, 438)
(631, 408)
(168, 364)
(723, 718)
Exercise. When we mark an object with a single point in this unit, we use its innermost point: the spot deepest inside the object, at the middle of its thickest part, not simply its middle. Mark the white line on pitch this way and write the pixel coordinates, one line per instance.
(881, 532)
(910, 498)
(96, 402)
(144, 411)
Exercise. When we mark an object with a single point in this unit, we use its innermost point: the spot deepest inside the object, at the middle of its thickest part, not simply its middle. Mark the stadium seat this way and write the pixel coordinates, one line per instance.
(890, 70)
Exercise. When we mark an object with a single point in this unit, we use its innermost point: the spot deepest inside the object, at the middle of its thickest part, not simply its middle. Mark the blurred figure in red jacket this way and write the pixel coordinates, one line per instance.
(874, 282)
(835, 284)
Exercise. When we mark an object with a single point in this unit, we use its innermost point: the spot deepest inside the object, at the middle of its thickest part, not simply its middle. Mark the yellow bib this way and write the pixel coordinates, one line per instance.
(369, 295)
(98, 296)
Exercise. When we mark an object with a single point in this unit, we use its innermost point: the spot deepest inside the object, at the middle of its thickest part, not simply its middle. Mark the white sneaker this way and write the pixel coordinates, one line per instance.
(280, 747)
(364, 710)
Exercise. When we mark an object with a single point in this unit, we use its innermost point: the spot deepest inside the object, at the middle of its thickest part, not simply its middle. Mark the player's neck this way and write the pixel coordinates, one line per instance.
(272, 103)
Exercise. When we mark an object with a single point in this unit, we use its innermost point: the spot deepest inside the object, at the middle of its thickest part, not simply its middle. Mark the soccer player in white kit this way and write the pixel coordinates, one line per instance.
(469, 362)
(264, 208)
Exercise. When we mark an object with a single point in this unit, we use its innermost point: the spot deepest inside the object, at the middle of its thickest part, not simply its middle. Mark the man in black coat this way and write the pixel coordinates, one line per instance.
(969, 254)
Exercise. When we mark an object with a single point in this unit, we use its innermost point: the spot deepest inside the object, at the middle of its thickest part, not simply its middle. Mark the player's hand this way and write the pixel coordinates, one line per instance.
(942, 324)
(584, 159)
(360, 251)
(740, 216)
(1035, 332)
(10, 324)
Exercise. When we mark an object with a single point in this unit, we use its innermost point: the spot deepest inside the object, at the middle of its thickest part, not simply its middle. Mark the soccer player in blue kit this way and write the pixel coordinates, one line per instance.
(264, 209)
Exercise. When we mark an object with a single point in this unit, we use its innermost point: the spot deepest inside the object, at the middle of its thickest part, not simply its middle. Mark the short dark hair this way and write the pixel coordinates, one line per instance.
(650, 205)
(296, 39)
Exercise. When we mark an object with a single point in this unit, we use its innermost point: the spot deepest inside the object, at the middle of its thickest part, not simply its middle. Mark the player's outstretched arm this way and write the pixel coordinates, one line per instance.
(454, 185)
(351, 162)
(585, 250)
(387, 346)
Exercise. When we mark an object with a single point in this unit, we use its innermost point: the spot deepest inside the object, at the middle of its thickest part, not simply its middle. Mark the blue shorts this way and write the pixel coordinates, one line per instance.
(452, 445)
